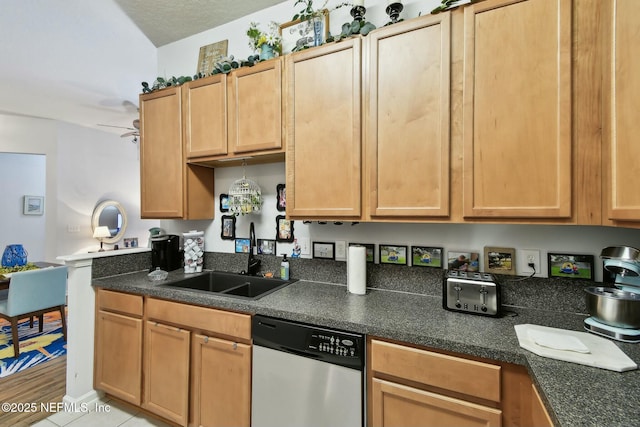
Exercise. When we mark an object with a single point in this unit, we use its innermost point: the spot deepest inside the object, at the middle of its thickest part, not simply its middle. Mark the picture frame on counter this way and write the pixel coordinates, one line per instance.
(463, 260)
(371, 250)
(281, 197)
(242, 246)
(570, 266)
(426, 256)
(297, 35)
(499, 260)
(284, 229)
(324, 250)
(228, 227)
(392, 254)
(266, 247)
(224, 202)
(130, 242)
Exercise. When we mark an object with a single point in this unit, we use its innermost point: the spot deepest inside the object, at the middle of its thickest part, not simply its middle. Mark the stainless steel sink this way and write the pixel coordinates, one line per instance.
(231, 284)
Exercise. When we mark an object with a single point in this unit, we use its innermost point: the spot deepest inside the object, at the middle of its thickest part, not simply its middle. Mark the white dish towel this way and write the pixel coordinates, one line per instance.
(573, 346)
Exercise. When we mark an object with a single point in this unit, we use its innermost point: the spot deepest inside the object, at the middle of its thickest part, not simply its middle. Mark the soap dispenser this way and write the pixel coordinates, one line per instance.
(284, 268)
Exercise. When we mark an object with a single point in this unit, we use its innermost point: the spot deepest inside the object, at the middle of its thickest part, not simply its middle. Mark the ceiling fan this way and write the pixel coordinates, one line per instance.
(133, 131)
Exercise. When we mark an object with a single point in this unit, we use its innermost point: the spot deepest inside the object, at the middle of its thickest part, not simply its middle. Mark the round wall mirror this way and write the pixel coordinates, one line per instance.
(112, 215)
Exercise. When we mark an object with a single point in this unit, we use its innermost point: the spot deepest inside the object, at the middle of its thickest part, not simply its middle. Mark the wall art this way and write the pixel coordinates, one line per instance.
(426, 256)
(392, 254)
(499, 260)
(570, 266)
(324, 250)
(371, 248)
(33, 205)
(228, 227)
(463, 260)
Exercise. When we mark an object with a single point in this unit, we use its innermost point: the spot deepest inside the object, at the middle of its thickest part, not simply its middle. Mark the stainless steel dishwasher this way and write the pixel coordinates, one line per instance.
(305, 375)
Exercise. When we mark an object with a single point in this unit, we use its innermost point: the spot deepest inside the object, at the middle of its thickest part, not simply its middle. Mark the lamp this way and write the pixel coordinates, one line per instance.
(100, 233)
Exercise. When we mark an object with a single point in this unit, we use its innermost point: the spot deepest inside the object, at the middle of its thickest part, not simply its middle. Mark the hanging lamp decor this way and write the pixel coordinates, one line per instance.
(245, 196)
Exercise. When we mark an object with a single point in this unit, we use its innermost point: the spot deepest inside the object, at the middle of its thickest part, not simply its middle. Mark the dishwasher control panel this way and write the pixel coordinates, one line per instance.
(333, 343)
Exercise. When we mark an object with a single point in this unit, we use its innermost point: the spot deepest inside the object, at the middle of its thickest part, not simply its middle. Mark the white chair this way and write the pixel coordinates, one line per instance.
(33, 293)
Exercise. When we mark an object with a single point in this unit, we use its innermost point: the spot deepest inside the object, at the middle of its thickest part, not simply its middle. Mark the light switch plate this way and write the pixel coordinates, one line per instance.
(304, 243)
(341, 250)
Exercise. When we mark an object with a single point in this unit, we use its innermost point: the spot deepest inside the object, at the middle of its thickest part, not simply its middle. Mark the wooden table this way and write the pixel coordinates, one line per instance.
(4, 283)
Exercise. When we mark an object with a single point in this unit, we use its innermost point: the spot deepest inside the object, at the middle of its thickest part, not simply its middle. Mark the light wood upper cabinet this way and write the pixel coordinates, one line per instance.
(255, 108)
(517, 112)
(204, 111)
(169, 187)
(323, 162)
(622, 92)
(407, 117)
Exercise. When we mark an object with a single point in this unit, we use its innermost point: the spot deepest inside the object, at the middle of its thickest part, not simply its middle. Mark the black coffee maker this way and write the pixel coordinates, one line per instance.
(165, 252)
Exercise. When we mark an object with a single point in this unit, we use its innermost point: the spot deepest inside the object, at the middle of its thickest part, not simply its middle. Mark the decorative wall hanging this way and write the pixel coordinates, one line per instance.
(426, 256)
(284, 229)
(499, 260)
(570, 266)
(33, 205)
(463, 260)
(392, 254)
(281, 197)
(228, 227)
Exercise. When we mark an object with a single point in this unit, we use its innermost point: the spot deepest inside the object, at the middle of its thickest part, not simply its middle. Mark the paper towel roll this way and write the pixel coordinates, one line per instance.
(357, 270)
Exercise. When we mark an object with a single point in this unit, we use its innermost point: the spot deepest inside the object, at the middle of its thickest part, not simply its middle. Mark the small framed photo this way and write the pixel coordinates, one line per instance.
(33, 205)
(130, 242)
(426, 256)
(324, 250)
(499, 260)
(570, 266)
(281, 195)
(371, 248)
(298, 35)
(228, 227)
(266, 247)
(224, 203)
(463, 261)
(242, 246)
(392, 254)
(284, 229)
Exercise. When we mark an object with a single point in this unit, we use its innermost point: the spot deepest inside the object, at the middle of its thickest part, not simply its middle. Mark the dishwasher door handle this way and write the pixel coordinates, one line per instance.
(298, 352)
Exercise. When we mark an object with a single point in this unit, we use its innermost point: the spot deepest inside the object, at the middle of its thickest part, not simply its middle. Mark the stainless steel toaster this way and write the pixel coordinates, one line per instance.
(471, 292)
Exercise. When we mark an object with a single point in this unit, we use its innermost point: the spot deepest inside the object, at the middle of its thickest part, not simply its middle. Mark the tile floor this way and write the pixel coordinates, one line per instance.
(104, 413)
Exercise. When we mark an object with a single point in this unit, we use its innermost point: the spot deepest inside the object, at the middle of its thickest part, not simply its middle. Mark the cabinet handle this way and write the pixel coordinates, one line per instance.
(206, 340)
(235, 345)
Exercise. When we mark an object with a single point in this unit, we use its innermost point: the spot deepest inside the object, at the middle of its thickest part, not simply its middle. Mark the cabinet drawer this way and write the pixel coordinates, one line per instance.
(120, 302)
(459, 375)
(202, 318)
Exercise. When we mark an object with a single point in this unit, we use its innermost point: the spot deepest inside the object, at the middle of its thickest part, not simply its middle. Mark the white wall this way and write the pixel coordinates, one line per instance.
(83, 167)
(22, 174)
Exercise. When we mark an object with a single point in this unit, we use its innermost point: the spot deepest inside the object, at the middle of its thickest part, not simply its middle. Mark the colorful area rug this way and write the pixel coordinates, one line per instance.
(35, 347)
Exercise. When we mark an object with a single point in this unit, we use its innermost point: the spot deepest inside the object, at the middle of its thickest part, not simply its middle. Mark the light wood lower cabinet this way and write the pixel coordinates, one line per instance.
(195, 361)
(415, 386)
(221, 382)
(399, 405)
(118, 345)
(166, 372)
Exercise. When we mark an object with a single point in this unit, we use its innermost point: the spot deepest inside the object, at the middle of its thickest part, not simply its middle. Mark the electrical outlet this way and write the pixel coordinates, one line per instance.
(530, 256)
(304, 243)
(341, 250)
(73, 228)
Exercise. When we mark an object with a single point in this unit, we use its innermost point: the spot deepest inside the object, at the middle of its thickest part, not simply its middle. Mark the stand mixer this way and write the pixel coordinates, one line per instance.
(615, 312)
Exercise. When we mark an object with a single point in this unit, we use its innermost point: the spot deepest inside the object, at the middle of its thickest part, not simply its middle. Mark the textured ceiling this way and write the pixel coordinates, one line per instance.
(166, 21)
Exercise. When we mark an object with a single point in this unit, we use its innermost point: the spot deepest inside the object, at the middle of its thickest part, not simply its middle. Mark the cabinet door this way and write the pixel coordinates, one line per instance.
(399, 405)
(622, 151)
(408, 118)
(539, 415)
(221, 382)
(166, 372)
(255, 107)
(517, 155)
(161, 160)
(118, 356)
(204, 110)
(323, 162)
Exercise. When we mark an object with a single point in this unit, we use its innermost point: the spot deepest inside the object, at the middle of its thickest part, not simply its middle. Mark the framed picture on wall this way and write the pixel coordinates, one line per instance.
(392, 254)
(281, 197)
(499, 260)
(284, 229)
(426, 256)
(33, 205)
(228, 231)
(224, 202)
(463, 260)
(570, 266)
(266, 247)
(242, 246)
(371, 247)
(324, 250)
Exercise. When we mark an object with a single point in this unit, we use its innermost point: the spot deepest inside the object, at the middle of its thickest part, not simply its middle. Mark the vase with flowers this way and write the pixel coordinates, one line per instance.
(268, 44)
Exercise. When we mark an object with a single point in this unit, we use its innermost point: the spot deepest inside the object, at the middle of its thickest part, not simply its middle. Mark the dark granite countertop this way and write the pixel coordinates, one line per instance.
(576, 395)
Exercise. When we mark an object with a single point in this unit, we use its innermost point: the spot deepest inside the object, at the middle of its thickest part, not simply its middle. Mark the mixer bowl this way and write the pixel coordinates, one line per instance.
(614, 307)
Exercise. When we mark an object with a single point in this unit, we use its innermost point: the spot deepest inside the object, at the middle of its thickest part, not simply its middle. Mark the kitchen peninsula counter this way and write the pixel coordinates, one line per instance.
(575, 394)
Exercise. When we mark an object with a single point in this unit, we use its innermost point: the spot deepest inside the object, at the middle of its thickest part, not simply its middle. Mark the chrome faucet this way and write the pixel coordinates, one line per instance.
(253, 266)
